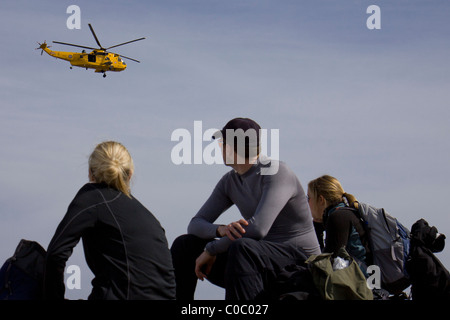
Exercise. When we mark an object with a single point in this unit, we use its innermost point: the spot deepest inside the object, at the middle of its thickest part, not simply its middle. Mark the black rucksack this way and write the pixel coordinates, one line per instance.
(21, 276)
(429, 278)
(294, 282)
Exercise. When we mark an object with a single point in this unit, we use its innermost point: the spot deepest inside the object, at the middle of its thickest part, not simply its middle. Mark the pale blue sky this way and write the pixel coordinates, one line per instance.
(367, 106)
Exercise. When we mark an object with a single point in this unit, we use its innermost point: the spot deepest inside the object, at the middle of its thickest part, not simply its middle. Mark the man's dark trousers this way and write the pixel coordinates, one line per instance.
(246, 271)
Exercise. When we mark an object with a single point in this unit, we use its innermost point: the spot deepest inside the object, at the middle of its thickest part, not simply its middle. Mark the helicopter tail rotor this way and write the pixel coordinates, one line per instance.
(42, 47)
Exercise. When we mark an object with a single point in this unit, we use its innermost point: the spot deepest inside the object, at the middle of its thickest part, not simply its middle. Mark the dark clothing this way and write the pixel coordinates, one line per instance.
(247, 271)
(256, 265)
(430, 280)
(343, 228)
(319, 228)
(124, 245)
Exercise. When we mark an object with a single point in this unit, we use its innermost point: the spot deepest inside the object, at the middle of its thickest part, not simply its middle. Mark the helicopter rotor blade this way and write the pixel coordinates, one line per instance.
(117, 45)
(130, 59)
(39, 48)
(96, 39)
(74, 45)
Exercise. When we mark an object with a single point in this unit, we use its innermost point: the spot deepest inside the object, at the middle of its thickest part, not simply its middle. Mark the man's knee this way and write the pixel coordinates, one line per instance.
(186, 244)
(181, 241)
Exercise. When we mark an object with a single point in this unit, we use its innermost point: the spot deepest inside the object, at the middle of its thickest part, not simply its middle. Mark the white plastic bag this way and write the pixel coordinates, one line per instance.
(340, 263)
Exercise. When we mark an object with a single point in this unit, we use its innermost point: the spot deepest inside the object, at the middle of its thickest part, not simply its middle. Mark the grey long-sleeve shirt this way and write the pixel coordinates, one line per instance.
(275, 207)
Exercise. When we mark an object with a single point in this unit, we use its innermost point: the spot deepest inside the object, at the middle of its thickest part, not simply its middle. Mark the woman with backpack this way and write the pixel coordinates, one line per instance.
(334, 211)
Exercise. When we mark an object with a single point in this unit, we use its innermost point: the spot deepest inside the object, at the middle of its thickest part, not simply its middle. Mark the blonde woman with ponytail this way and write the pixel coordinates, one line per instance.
(124, 244)
(333, 211)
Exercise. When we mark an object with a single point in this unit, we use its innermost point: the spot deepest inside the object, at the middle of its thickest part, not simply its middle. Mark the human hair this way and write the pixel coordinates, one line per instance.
(331, 189)
(111, 163)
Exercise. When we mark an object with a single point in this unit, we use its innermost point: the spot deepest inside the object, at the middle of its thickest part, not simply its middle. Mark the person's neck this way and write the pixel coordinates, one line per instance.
(242, 168)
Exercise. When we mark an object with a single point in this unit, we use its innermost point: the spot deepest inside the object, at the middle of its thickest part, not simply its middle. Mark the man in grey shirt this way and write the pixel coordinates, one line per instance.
(276, 229)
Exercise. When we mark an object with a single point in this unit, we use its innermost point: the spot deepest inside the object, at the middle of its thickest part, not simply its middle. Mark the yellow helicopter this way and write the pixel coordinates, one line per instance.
(99, 59)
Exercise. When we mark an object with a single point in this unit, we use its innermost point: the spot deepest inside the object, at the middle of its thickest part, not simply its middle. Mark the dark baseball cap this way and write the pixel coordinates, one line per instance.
(244, 124)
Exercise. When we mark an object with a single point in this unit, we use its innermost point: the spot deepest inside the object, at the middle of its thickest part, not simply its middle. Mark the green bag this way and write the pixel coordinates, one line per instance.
(348, 283)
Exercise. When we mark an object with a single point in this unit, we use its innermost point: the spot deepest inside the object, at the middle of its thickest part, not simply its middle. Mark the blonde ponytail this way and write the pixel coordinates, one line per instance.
(351, 200)
(111, 163)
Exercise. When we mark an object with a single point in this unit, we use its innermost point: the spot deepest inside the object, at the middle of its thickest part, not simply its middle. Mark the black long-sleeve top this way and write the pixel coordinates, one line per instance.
(124, 245)
(343, 229)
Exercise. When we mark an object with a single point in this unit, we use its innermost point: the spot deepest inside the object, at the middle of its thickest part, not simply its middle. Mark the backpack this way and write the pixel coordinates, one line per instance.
(21, 276)
(429, 278)
(389, 243)
(294, 282)
(338, 282)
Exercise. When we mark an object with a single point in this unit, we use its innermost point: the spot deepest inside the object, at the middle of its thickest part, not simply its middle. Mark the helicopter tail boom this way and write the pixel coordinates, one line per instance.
(68, 56)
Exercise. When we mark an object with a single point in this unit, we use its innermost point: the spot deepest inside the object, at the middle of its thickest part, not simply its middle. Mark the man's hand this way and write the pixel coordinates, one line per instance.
(233, 230)
(203, 265)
